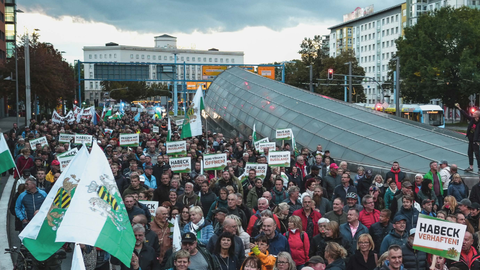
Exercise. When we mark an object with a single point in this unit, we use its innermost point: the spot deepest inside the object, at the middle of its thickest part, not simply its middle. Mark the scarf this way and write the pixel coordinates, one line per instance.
(194, 227)
(393, 191)
(378, 185)
(395, 173)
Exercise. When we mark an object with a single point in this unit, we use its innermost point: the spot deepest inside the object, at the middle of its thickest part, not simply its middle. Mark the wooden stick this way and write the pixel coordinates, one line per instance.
(434, 261)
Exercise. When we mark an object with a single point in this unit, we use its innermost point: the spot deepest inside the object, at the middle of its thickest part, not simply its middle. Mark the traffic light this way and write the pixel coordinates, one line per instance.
(76, 101)
(330, 73)
(472, 109)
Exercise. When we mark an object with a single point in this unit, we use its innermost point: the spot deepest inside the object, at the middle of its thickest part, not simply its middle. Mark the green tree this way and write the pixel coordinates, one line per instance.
(440, 56)
(131, 91)
(334, 88)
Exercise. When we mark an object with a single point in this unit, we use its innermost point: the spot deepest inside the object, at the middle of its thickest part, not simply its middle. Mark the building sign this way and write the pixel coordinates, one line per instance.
(357, 13)
(211, 72)
(267, 72)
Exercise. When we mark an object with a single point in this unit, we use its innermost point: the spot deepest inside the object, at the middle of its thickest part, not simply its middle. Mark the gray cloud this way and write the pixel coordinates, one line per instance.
(168, 16)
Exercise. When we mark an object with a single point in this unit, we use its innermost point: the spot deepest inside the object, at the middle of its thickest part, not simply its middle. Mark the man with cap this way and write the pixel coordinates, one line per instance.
(427, 208)
(473, 218)
(345, 187)
(397, 236)
(150, 180)
(308, 215)
(55, 168)
(397, 202)
(200, 258)
(219, 215)
(351, 201)
(314, 172)
(464, 206)
(316, 262)
(445, 175)
(364, 183)
(332, 179)
(413, 259)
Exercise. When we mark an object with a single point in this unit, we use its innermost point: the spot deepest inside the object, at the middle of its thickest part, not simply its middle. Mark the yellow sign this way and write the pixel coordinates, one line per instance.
(249, 68)
(268, 72)
(195, 85)
(210, 72)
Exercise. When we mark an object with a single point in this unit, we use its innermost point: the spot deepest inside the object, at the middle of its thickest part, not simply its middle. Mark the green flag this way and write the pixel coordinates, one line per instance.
(192, 125)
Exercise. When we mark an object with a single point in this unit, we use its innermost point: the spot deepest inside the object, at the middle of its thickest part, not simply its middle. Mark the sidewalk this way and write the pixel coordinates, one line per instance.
(6, 123)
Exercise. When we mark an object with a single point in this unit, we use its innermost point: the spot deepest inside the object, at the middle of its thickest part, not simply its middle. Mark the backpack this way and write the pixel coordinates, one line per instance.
(301, 236)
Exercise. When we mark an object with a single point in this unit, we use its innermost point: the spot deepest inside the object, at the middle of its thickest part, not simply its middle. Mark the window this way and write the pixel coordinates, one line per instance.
(221, 60)
(383, 56)
(383, 21)
(110, 56)
(396, 18)
(373, 35)
(396, 30)
(383, 44)
(182, 59)
(369, 36)
(91, 85)
(226, 60)
(89, 56)
(233, 61)
(114, 55)
(165, 58)
(171, 57)
(155, 57)
(373, 47)
(216, 60)
(374, 58)
(369, 47)
(193, 59)
(361, 27)
(388, 32)
(369, 25)
(373, 24)
(210, 59)
(388, 20)
(383, 33)
(148, 57)
(100, 56)
(361, 38)
(188, 58)
(204, 59)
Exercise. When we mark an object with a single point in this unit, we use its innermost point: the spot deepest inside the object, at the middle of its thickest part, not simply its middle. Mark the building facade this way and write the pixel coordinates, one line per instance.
(147, 63)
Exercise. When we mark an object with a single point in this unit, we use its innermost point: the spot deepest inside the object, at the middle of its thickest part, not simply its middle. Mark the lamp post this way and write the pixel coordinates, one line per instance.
(15, 11)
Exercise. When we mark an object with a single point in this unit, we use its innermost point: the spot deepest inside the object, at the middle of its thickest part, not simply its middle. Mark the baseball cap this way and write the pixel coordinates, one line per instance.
(55, 162)
(148, 167)
(220, 210)
(352, 195)
(109, 145)
(412, 231)
(475, 205)
(465, 202)
(398, 218)
(189, 238)
(315, 260)
(315, 167)
(443, 162)
(425, 201)
(333, 166)
(369, 172)
(407, 184)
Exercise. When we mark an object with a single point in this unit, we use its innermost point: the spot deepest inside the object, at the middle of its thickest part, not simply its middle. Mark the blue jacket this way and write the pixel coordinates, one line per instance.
(393, 238)
(150, 183)
(411, 215)
(459, 191)
(339, 191)
(278, 243)
(347, 234)
(204, 233)
(27, 203)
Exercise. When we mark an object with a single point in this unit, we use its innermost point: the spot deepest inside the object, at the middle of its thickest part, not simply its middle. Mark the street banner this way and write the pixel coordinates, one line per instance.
(439, 237)
(284, 134)
(82, 138)
(66, 157)
(260, 171)
(42, 140)
(279, 159)
(56, 118)
(152, 207)
(181, 165)
(156, 129)
(129, 139)
(257, 143)
(177, 148)
(270, 145)
(179, 122)
(214, 162)
(63, 137)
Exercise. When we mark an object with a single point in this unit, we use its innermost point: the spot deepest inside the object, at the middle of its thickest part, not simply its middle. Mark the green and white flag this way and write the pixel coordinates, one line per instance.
(254, 134)
(6, 160)
(294, 146)
(169, 135)
(192, 126)
(97, 215)
(40, 234)
(107, 114)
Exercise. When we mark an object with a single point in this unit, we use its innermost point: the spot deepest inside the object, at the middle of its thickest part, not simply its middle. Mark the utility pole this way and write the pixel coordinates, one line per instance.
(350, 81)
(311, 77)
(28, 106)
(397, 93)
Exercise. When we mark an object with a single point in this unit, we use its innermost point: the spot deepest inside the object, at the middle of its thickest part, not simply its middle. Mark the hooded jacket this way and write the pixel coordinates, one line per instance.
(393, 238)
(218, 203)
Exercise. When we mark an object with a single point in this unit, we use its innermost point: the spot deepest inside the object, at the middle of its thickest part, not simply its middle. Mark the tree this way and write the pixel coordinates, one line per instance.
(131, 91)
(334, 88)
(440, 56)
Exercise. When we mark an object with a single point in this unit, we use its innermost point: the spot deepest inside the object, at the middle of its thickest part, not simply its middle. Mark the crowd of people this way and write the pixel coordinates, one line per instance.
(314, 214)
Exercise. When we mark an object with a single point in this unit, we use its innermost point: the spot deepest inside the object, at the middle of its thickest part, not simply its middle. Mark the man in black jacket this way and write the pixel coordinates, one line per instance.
(380, 229)
(473, 135)
(413, 259)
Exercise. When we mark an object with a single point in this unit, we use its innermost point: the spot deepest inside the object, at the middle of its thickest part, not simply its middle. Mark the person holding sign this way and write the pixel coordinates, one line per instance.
(413, 259)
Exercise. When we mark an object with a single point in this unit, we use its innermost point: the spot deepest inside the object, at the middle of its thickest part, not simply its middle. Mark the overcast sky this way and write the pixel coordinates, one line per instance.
(265, 30)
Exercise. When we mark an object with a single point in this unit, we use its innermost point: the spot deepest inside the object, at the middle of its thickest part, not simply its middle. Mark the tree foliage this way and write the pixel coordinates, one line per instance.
(440, 56)
(131, 91)
(51, 77)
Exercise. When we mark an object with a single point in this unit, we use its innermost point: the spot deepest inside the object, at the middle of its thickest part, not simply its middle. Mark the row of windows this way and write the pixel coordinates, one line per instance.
(183, 59)
(103, 56)
(387, 44)
(368, 37)
(390, 31)
(368, 48)
(367, 59)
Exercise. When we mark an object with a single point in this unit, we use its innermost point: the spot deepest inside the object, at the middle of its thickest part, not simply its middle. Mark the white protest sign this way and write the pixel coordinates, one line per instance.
(156, 129)
(177, 148)
(179, 122)
(264, 140)
(63, 137)
(66, 157)
(270, 145)
(42, 141)
(129, 139)
(284, 134)
(439, 237)
(181, 165)
(82, 138)
(279, 159)
(260, 171)
(56, 118)
(214, 162)
(151, 206)
(107, 130)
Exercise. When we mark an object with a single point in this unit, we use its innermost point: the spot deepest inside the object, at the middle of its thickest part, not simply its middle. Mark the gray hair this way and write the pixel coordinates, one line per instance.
(262, 198)
(139, 228)
(293, 189)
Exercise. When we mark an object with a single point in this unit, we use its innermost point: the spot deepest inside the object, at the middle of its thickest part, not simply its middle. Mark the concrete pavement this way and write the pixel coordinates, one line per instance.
(6, 123)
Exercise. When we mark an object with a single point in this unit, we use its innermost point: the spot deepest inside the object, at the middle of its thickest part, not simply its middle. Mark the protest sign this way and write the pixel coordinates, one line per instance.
(129, 139)
(181, 165)
(279, 159)
(270, 145)
(257, 143)
(66, 157)
(82, 138)
(63, 137)
(107, 130)
(439, 237)
(56, 118)
(260, 171)
(284, 134)
(42, 141)
(214, 162)
(179, 122)
(177, 148)
(155, 129)
(151, 206)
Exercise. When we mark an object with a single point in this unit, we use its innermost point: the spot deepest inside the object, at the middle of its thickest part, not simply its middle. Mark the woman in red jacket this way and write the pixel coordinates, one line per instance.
(298, 241)
(23, 162)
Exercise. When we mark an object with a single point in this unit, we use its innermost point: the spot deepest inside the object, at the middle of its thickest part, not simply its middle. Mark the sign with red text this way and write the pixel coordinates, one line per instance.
(279, 159)
(284, 134)
(181, 165)
(42, 141)
(129, 140)
(214, 162)
(83, 139)
(63, 137)
(270, 145)
(176, 148)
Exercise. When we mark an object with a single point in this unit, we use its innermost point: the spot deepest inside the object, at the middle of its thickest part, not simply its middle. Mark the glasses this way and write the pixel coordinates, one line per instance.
(281, 262)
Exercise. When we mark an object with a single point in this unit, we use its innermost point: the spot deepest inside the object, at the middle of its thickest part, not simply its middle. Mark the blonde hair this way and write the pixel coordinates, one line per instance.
(369, 238)
(297, 222)
(281, 207)
(196, 210)
(335, 251)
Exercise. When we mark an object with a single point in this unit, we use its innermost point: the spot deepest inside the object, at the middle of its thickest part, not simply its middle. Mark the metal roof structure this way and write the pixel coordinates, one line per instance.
(237, 99)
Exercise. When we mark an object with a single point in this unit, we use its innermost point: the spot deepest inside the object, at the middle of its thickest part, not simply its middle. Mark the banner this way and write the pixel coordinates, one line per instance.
(214, 162)
(211, 72)
(152, 207)
(270, 145)
(42, 140)
(268, 72)
(66, 157)
(260, 170)
(82, 138)
(439, 237)
(70, 117)
(179, 122)
(107, 130)
(56, 118)
(177, 148)
(284, 134)
(181, 165)
(256, 144)
(63, 137)
(279, 159)
(156, 129)
(129, 139)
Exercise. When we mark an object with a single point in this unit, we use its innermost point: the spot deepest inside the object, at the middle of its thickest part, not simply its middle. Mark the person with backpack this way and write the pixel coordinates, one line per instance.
(298, 241)
(220, 201)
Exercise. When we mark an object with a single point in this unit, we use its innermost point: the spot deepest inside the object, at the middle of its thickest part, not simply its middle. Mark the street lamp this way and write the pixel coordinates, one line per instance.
(15, 11)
